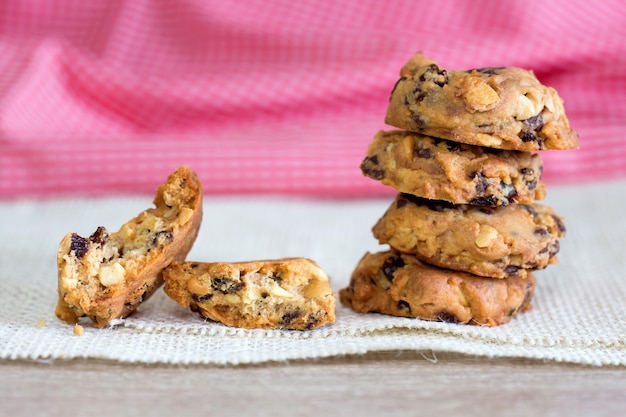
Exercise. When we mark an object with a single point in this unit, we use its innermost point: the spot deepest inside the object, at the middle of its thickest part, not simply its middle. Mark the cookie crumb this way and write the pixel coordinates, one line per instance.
(41, 323)
(78, 330)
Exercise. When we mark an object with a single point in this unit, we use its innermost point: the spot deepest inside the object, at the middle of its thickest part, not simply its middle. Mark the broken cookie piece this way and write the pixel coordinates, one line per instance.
(291, 293)
(107, 275)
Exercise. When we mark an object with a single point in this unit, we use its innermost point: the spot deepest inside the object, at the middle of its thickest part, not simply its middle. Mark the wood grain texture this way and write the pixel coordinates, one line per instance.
(375, 384)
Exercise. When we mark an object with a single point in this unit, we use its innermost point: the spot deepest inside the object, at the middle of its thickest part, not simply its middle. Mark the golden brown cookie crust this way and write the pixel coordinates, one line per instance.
(400, 285)
(459, 173)
(107, 275)
(492, 242)
(290, 293)
(495, 107)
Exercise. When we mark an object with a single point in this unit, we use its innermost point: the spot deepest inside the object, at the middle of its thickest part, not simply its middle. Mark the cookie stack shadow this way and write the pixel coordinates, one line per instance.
(465, 232)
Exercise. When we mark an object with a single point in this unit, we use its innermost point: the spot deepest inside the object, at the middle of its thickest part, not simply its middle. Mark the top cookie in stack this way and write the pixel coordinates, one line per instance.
(465, 231)
(495, 107)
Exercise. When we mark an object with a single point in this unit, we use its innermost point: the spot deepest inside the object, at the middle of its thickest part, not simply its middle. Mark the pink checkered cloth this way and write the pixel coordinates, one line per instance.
(273, 96)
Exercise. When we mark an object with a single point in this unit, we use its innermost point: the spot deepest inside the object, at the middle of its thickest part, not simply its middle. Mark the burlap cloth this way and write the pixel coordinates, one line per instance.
(579, 313)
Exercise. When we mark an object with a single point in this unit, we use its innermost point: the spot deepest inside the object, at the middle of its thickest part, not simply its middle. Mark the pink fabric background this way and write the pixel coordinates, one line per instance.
(273, 96)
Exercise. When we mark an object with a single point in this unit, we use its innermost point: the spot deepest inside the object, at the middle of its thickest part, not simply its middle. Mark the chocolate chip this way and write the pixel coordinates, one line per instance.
(390, 266)
(559, 223)
(289, 316)
(530, 265)
(423, 153)
(528, 176)
(511, 270)
(481, 183)
(162, 237)
(450, 145)
(417, 93)
(417, 120)
(531, 126)
(434, 205)
(79, 245)
(100, 236)
(490, 201)
(435, 74)
(201, 298)
(370, 168)
(373, 159)
(527, 136)
(226, 285)
(311, 322)
(488, 70)
(534, 123)
(403, 305)
(509, 191)
(540, 231)
(396, 86)
(447, 317)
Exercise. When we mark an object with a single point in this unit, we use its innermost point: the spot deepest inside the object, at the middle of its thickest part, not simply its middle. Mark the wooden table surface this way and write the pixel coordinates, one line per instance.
(375, 384)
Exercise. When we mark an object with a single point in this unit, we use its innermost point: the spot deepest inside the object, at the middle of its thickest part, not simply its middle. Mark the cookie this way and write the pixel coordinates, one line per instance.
(107, 275)
(496, 107)
(291, 293)
(462, 174)
(492, 242)
(400, 285)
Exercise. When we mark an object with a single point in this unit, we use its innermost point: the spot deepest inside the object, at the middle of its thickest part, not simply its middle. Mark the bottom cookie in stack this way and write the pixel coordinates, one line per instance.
(398, 284)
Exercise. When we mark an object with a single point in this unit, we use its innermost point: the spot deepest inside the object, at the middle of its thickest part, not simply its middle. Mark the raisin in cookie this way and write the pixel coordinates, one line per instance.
(462, 174)
(496, 107)
(491, 242)
(289, 293)
(400, 285)
(107, 275)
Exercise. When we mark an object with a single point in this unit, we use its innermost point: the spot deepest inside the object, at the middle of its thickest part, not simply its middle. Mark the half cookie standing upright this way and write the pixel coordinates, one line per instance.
(107, 275)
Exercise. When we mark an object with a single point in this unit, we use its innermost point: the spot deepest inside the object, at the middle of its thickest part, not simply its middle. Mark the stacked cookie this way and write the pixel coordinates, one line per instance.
(465, 232)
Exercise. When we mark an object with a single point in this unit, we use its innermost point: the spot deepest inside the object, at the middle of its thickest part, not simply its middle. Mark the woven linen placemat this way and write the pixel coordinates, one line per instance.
(578, 315)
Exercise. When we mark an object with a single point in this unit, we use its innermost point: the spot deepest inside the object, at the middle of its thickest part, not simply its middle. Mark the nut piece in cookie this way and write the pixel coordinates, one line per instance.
(107, 275)
(399, 284)
(291, 293)
(493, 242)
(495, 107)
(438, 169)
